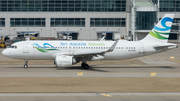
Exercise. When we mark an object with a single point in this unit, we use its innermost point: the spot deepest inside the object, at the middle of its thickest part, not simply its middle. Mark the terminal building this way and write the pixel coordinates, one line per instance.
(85, 19)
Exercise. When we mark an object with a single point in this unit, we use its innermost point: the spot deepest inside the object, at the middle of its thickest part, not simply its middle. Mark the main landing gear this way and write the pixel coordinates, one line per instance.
(26, 64)
(85, 65)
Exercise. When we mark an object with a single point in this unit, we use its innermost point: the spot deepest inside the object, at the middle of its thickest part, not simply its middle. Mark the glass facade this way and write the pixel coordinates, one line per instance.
(169, 5)
(27, 22)
(67, 22)
(176, 20)
(176, 27)
(107, 22)
(62, 5)
(145, 20)
(154, 2)
(2, 22)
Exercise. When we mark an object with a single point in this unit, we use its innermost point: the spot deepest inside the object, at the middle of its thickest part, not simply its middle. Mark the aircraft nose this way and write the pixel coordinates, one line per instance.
(5, 52)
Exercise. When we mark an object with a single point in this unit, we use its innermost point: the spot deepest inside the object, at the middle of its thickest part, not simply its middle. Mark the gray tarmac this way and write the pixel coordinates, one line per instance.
(166, 64)
(91, 97)
(94, 71)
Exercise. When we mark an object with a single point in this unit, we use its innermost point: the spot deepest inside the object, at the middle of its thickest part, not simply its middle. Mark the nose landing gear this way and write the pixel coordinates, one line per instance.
(26, 64)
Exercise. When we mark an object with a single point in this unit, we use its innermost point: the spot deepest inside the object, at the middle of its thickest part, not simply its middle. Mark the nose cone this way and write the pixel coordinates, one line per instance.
(5, 52)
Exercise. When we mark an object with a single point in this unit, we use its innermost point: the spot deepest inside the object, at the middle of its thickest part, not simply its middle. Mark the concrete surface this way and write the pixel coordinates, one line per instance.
(155, 73)
(90, 97)
(88, 84)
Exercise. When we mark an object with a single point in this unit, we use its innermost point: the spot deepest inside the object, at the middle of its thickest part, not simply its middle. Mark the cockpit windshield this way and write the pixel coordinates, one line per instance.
(13, 46)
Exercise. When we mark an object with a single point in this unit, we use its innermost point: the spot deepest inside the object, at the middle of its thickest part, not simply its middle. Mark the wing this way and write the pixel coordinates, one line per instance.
(97, 55)
(97, 52)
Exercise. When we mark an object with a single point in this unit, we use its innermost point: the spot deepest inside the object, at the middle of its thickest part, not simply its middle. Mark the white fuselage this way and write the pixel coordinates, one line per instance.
(48, 50)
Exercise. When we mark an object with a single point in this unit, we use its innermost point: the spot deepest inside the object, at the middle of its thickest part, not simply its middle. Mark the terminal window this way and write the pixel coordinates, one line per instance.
(27, 22)
(169, 5)
(62, 5)
(107, 22)
(145, 20)
(2, 22)
(67, 22)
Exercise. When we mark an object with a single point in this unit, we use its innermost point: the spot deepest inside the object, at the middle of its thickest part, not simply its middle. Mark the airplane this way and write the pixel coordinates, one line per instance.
(68, 53)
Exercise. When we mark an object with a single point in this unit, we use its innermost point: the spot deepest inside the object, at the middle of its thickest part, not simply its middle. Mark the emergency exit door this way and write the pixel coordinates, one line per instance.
(25, 47)
(141, 48)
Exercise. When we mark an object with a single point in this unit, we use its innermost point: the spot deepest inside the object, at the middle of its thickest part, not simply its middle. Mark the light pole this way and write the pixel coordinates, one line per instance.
(133, 20)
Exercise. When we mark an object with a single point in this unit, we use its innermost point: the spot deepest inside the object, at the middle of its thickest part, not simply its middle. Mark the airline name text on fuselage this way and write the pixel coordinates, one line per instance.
(82, 44)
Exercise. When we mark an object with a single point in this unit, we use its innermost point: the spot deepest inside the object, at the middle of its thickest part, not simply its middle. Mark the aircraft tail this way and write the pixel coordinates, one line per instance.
(162, 30)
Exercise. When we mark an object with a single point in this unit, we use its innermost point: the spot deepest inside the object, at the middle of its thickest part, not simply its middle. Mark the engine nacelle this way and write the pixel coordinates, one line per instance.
(64, 61)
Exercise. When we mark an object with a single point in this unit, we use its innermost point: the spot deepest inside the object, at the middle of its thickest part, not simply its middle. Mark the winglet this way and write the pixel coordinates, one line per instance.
(113, 47)
(103, 38)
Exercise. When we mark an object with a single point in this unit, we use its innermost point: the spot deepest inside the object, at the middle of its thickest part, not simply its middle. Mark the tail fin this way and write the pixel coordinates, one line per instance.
(162, 30)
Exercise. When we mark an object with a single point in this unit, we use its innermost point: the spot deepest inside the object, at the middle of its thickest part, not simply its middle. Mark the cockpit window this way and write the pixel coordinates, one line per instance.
(12, 46)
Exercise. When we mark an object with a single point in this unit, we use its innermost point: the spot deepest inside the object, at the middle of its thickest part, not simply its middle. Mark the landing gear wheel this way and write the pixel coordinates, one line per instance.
(86, 66)
(25, 66)
(82, 65)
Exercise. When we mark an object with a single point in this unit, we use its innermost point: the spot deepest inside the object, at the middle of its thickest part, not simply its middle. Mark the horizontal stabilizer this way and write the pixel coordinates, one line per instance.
(166, 45)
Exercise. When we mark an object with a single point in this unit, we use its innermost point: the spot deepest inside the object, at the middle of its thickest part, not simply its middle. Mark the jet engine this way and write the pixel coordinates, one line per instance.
(64, 61)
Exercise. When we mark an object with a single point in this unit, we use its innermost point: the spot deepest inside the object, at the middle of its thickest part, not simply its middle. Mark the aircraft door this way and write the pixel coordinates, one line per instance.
(25, 48)
(141, 48)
